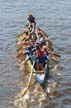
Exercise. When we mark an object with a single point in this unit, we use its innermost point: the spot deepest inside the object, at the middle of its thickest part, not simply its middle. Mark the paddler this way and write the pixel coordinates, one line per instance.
(41, 57)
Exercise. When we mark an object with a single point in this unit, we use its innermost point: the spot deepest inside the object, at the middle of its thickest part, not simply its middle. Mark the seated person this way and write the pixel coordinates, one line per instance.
(33, 36)
(41, 58)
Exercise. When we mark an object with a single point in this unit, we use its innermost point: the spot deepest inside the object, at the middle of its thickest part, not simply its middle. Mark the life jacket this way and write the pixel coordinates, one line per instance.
(42, 59)
(40, 53)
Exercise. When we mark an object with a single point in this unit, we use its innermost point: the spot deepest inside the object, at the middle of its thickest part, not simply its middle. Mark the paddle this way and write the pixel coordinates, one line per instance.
(20, 54)
(54, 59)
(23, 61)
(54, 53)
(26, 89)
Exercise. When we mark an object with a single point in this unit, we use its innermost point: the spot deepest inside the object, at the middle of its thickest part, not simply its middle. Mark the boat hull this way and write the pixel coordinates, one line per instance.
(42, 78)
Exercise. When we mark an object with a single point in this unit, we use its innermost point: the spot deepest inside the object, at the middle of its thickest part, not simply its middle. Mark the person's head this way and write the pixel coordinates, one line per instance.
(45, 47)
(37, 47)
(31, 26)
(30, 14)
(26, 32)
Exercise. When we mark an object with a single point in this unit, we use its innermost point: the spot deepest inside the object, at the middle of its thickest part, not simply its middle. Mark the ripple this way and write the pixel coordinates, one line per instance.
(55, 17)
(67, 101)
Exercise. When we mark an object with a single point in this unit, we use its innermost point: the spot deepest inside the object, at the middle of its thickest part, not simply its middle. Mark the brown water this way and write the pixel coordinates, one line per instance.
(55, 18)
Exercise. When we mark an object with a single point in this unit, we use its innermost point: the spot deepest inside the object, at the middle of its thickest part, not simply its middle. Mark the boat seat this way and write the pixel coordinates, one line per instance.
(39, 72)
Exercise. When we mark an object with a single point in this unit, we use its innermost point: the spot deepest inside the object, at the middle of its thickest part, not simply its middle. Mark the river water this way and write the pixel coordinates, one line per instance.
(54, 16)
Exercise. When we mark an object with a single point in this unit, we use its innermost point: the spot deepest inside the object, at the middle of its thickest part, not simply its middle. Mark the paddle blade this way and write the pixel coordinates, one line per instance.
(55, 54)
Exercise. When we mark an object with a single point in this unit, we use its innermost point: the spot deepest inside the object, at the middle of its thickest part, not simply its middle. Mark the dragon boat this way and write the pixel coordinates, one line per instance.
(26, 59)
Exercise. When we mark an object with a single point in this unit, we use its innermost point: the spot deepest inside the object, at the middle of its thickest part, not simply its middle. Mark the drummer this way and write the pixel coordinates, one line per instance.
(31, 21)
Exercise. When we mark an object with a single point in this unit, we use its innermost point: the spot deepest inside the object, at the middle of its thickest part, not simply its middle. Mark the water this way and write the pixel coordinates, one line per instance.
(55, 18)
